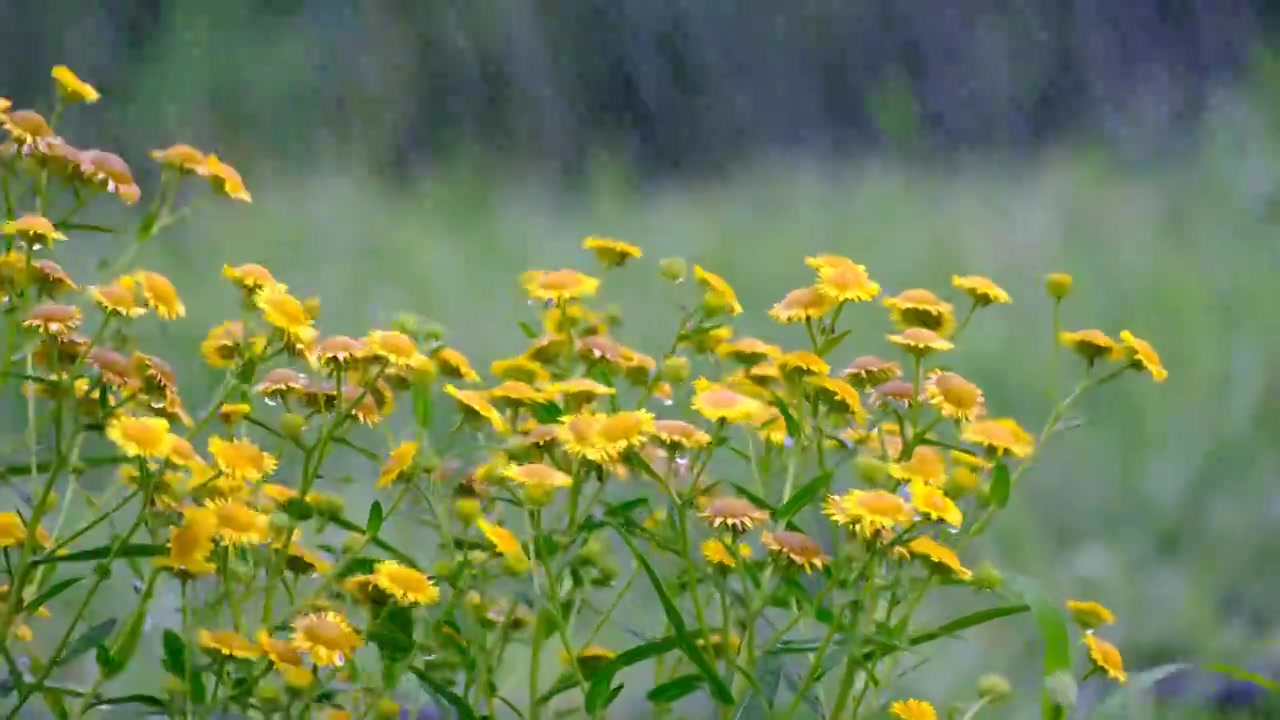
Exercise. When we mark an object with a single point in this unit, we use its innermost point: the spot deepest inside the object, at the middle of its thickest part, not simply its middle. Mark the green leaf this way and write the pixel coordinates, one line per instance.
(135, 699)
(547, 413)
(453, 699)
(129, 550)
(675, 688)
(86, 227)
(245, 371)
(298, 510)
(373, 523)
(793, 426)
(964, 622)
(528, 330)
(802, 496)
(832, 343)
(50, 593)
(598, 702)
(174, 659)
(1119, 704)
(719, 690)
(754, 498)
(90, 639)
(392, 634)
(602, 679)
(1236, 673)
(422, 404)
(1000, 485)
(1051, 620)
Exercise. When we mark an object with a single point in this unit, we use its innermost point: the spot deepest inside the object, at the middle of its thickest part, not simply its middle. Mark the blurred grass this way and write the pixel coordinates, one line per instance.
(1159, 506)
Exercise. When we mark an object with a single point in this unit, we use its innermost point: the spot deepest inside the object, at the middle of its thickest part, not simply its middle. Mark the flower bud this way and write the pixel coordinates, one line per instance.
(326, 505)
(279, 522)
(994, 688)
(872, 470)
(467, 509)
(674, 269)
(675, 368)
(1058, 285)
(292, 426)
(387, 709)
(987, 576)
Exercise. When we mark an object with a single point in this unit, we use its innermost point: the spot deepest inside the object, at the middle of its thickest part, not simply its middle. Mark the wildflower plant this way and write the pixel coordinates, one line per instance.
(787, 508)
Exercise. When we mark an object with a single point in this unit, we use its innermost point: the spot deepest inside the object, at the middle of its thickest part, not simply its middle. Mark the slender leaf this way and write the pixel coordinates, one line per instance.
(794, 431)
(453, 699)
(1051, 620)
(1236, 673)
(86, 227)
(547, 413)
(803, 496)
(528, 330)
(600, 697)
(1000, 485)
(90, 639)
(373, 523)
(174, 658)
(602, 679)
(960, 624)
(50, 593)
(715, 684)
(675, 688)
(832, 343)
(129, 550)
(1119, 705)
(135, 699)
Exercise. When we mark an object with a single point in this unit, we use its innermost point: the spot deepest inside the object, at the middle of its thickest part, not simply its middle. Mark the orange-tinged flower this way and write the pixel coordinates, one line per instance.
(140, 436)
(239, 524)
(338, 351)
(999, 435)
(72, 87)
(1106, 657)
(749, 350)
(454, 364)
(252, 277)
(538, 476)
(281, 382)
(1143, 356)
(920, 341)
(398, 463)
(226, 178)
(735, 513)
(580, 390)
(678, 433)
(161, 295)
(718, 295)
(982, 290)
(955, 396)
(720, 403)
(53, 319)
(28, 129)
(393, 347)
(802, 304)
(506, 543)
(921, 308)
(181, 157)
(912, 710)
(934, 504)
(229, 644)
(611, 252)
(1090, 344)
(843, 280)
(475, 404)
(931, 551)
(869, 371)
(241, 460)
(558, 286)
(326, 637)
(111, 172)
(120, 297)
(280, 652)
(36, 230)
(796, 547)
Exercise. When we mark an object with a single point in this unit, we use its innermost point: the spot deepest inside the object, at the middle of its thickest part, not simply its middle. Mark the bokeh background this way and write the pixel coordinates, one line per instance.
(417, 155)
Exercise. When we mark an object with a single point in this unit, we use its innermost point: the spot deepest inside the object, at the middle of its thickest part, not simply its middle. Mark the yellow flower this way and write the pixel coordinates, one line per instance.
(1090, 344)
(870, 512)
(934, 504)
(749, 350)
(223, 344)
(839, 396)
(581, 391)
(999, 435)
(232, 413)
(181, 157)
(119, 297)
(1106, 657)
(28, 129)
(626, 429)
(454, 364)
(73, 88)
(326, 637)
(802, 304)
(718, 295)
(241, 460)
(925, 465)
(803, 362)
(558, 286)
(735, 513)
(229, 644)
(394, 347)
(611, 252)
(920, 341)
(720, 403)
(506, 543)
(1090, 615)
(716, 553)
(226, 178)
(520, 369)
(399, 460)
(13, 531)
(140, 436)
(514, 393)
(932, 551)
(53, 319)
(284, 311)
(476, 404)
(843, 280)
(980, 289)
(912, 710)
(252, 277)
(281, 382)
(406, 585)
(191, 543)
(1058, 285)
(921, 308)
(796, 547)
(280, 652)
(538, 476)
(338, 351)
(239, 524)
(1143, 356)
(36, 230)
(160, 295)
(111, 172)
(955, 396)
(868, 371)
(582, 436)
(680, 434)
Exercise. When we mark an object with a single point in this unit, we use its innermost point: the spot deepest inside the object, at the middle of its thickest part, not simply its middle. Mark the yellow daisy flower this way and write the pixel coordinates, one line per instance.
(802, 304)
(720, 403)
(393, 347)
(870, 512)
(558, 286)
(53, 319)
(868, 371)
(229, 644)
(920, 308)
(506, 543)
(399, 460)
(611, 252)
(111, 172)
(119, 297)
(980, 289)
(252, 277)
(735, 513)
(241, 460)
(538, 475)
(239, 524)
(796, 547)
(1089, 614)
(161, 295)
(226, 178)
(925, 465)
(338, 351)
(284, 311)
(843, 280)
(72, 87)
(679, 433)
(1143, 356)
(140, 436)
(475, 403)
(36, 230)
(326, 637)
(931, 551)
(999, 435)
(520, 369)
(1090, 344)
(955, 396)
(406, 585)
(717, 553)
(582, 436)
(1106, 657)
(180, 157)
(718, 295)
(454, 364)
(749, 350)
(920, 341)
(912, 710)
(934, 504)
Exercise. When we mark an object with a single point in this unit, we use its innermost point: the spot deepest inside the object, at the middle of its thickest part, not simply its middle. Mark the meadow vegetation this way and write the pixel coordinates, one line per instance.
(718, 495)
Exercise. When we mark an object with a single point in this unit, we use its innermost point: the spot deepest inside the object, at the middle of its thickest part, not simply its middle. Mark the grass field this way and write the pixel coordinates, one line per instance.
(1160, 505)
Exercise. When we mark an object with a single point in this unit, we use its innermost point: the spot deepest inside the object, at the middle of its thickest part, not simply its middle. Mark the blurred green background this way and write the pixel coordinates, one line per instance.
(418, 156)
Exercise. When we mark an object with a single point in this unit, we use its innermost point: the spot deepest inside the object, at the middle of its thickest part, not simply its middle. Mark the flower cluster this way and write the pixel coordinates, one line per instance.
(789, 504)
